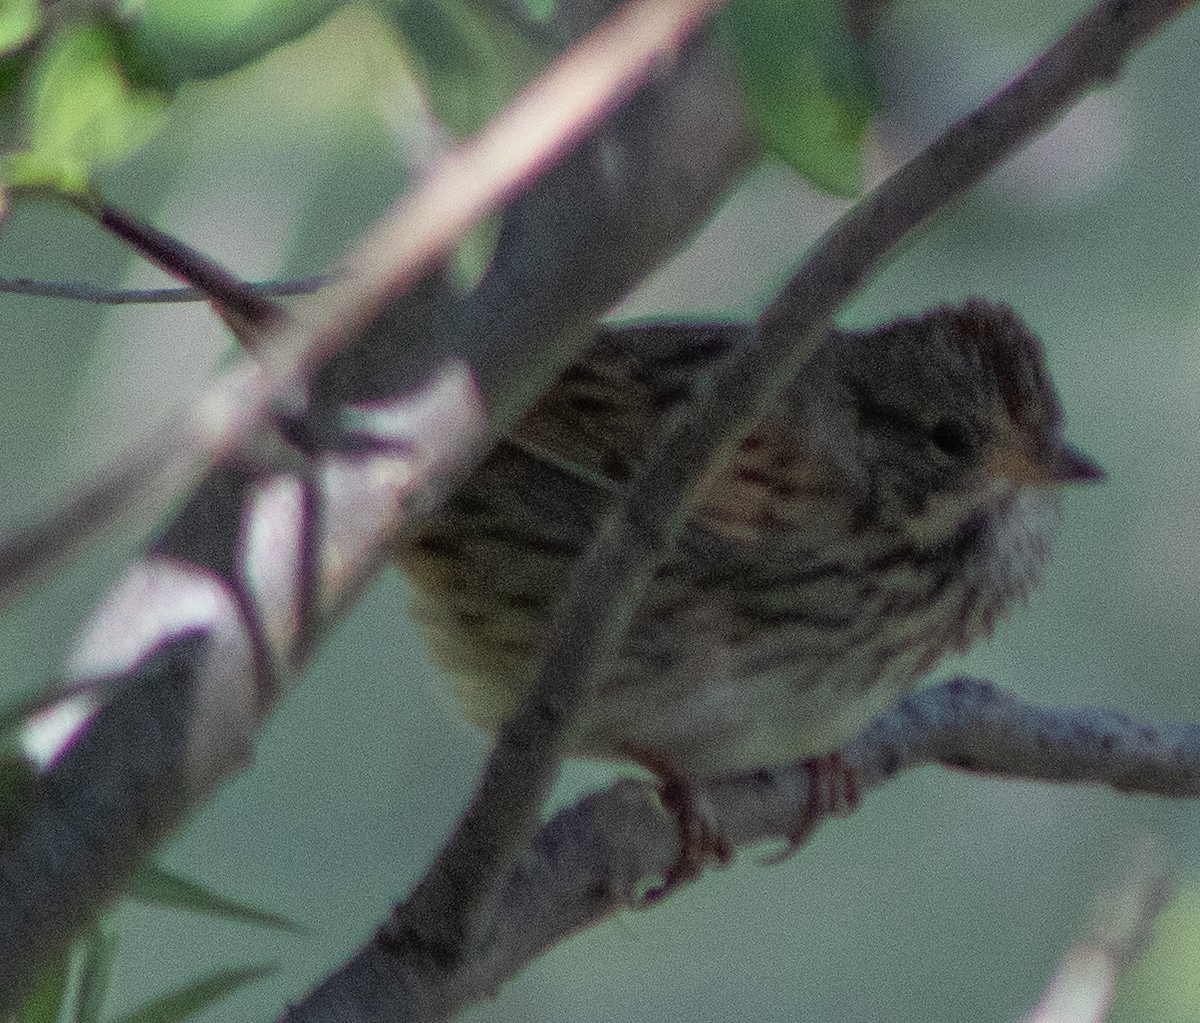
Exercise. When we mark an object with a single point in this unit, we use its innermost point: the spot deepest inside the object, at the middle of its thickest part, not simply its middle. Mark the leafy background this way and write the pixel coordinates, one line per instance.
(945, 897)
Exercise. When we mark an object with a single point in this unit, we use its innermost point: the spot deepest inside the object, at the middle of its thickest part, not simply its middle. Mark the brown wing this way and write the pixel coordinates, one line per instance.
(491, 564)
(597, 418)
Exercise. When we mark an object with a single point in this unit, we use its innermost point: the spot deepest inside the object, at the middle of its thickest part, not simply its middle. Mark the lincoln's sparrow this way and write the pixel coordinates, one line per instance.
(899, 497)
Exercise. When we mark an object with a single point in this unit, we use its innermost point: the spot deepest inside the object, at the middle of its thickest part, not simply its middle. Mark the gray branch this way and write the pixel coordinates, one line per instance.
(79, 291)
(265, 555)
(429, 941)
(599, 856)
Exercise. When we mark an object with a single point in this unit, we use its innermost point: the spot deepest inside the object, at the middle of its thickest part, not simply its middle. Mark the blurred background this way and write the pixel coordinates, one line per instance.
(946, 897)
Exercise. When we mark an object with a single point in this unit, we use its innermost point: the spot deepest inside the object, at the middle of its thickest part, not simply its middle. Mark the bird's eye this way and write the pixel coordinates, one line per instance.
(953, 437)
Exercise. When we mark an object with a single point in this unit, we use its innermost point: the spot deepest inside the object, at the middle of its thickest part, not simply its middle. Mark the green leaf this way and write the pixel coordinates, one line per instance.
(19, 20)
(44, 1002)
(97, 953)
(82, 113)
(198, 39)
(808, 83)
(32, 170)
(469, 55)
(186, 1002)
(154, 885)
(13, 75)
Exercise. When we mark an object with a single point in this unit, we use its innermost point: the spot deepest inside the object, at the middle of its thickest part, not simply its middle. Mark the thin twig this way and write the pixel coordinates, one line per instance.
(79, 291)
(246, 311)
(1123, 915)
(452, 901)
(546, 121)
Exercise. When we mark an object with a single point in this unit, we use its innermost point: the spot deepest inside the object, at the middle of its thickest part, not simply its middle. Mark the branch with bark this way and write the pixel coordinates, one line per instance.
(431, 940)
(322, 453)
(206, 630)
(599, 856)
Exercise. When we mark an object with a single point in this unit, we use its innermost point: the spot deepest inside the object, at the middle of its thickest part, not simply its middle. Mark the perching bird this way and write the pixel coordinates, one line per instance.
(899, 497)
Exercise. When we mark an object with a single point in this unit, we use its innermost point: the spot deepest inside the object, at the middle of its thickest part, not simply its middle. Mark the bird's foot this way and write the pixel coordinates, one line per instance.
(832, 792)
(700, 839)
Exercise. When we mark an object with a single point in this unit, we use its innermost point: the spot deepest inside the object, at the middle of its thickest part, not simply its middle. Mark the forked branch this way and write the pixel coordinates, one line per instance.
(430, 940)
(263, 557)
(546, 121)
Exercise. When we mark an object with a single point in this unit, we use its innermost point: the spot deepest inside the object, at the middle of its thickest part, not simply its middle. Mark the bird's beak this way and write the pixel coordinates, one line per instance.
(1068, 464)
(1014, 460)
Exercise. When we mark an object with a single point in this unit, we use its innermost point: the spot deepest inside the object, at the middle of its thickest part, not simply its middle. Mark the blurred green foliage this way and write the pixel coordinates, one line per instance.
(44, 1004)
(471, 57)
(84, 90)
(809, 84)
(19, 20)
(155, 885)
(186, 40)
(187, 1001)
(79, 983)
(1165, 983)
(81, 112)
(75, 990)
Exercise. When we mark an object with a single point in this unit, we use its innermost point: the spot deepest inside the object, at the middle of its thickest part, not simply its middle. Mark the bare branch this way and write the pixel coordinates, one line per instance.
(78, 291)
(435, 926)
(546, 121)
(599, 856)
(246, 311)
(263, 557)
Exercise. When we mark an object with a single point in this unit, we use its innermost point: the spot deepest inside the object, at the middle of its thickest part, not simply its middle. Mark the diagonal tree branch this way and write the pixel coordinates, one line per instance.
(1091, 54)
(260, 560)
(426, 942)
(547, 120)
